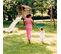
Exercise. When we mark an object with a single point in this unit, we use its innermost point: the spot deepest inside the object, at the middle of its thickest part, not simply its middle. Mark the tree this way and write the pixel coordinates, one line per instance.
(40, 5)
(53, 11)
(43, 6)
(9, 9)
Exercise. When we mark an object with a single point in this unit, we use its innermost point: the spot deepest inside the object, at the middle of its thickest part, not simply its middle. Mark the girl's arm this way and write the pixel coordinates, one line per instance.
(32, 21)
(24, 21)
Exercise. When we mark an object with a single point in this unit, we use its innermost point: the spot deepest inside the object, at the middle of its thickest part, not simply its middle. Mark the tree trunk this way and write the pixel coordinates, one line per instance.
(54, 24)
(51, 19)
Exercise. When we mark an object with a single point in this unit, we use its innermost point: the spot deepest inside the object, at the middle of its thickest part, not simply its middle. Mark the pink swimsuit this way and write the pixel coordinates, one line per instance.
(28, 27)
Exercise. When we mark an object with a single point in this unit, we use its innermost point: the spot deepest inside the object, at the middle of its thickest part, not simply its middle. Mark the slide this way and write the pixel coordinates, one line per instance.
(13, 24)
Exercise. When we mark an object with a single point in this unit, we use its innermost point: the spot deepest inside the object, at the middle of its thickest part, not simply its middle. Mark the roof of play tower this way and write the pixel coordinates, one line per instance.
(26, 6)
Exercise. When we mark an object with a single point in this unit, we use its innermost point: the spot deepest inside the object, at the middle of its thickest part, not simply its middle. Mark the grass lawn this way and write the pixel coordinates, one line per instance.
(17, 44)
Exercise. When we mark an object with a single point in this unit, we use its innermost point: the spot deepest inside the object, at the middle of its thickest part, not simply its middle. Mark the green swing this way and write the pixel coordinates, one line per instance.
(40, 25)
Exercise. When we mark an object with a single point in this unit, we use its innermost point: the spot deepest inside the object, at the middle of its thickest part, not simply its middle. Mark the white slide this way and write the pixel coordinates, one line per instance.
(13, 24)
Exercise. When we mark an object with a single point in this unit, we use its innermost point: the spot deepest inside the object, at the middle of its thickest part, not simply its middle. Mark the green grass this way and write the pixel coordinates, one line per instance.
(14, 44)
(18, 45)
(6, 24)
(46, 26)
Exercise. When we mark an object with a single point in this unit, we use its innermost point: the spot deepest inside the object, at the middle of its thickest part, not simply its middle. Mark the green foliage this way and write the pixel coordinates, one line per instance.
(9, 6)
(43, 5)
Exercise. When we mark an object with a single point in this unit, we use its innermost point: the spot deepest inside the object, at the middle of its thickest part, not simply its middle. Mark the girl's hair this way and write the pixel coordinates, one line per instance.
(41, 28)
(28, 15)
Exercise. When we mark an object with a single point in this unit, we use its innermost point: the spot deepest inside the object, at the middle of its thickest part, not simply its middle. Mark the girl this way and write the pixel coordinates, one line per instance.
(42, 35)
(28, 24)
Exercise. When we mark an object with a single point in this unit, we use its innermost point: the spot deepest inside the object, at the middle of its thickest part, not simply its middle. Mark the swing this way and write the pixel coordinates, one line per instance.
(39, 25)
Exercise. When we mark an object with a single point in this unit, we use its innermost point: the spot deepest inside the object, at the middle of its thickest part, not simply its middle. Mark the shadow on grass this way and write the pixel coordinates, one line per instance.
(17, 45)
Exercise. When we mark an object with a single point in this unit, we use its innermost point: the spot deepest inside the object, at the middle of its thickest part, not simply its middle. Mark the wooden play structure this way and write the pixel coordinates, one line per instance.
(24, 10)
